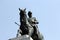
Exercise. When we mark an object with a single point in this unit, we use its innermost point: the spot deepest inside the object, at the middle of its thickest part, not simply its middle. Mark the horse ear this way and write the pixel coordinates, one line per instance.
(19, 9)
(24, 9)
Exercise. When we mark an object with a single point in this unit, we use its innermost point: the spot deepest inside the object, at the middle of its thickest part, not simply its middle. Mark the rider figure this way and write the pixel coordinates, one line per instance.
(33, 22)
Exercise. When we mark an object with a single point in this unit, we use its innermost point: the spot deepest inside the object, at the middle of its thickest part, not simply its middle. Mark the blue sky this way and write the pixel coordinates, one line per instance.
(47, 13)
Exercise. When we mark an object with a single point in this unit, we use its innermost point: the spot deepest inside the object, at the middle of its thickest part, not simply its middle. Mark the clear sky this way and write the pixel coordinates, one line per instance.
(47, 13)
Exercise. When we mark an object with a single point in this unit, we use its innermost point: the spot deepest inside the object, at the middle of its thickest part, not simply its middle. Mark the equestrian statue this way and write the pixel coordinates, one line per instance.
(28, 25)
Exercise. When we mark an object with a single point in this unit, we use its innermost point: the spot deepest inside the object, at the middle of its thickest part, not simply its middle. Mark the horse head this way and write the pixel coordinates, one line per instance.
(23, 15)
(22, 12)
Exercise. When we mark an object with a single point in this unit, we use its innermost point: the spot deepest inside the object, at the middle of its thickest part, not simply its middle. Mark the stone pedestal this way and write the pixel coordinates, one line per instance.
(24, 37)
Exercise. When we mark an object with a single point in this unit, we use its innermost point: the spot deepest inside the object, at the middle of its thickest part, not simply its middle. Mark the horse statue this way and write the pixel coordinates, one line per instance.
(26, 28)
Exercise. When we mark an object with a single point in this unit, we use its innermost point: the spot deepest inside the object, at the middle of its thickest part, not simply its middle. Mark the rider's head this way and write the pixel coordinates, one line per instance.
(30, 14)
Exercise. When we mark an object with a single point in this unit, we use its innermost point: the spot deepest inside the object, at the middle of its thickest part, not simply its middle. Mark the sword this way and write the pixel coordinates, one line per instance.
(17, 23)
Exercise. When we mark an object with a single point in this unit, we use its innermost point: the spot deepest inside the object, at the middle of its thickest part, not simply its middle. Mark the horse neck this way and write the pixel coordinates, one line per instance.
(23, 17)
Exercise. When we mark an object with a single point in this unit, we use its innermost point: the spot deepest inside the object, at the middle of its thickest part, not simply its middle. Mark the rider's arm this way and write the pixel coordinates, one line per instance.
(35, 21)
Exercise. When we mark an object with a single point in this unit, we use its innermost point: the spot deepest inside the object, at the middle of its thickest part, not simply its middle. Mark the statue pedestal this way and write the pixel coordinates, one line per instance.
(24, 37)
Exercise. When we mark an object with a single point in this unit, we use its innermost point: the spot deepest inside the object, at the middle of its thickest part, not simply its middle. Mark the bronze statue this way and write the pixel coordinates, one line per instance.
(28, 25)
